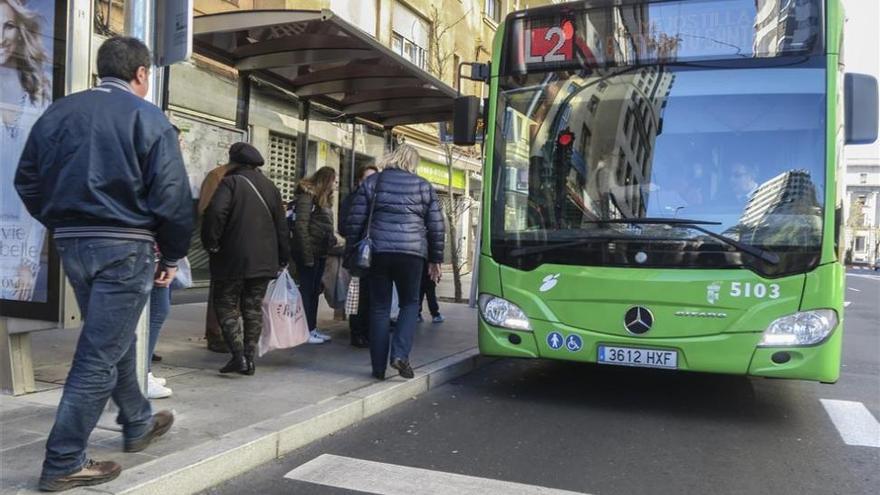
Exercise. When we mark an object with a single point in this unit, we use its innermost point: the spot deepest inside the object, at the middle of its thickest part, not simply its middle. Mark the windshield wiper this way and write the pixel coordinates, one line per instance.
(761, 254)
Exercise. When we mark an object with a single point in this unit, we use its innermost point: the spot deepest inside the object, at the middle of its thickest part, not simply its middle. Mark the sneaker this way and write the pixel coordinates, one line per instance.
(92, 473)
(314, 339)
(438, 319)
(419, 318)
(160, 381)
(162, 422)
(156, 390)
(322, 335)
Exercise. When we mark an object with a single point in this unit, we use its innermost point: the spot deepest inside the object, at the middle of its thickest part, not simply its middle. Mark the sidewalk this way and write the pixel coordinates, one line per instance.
(446, 288)
(226, 424)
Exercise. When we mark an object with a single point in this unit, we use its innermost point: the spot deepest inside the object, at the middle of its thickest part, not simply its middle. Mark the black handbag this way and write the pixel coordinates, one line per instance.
(361, 254)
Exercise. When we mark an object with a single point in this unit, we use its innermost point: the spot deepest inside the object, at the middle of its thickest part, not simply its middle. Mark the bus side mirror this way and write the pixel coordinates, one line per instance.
(860, 95)
(464, 121)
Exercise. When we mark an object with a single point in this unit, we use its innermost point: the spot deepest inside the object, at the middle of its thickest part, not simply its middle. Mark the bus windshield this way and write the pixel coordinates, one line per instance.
(739, 147)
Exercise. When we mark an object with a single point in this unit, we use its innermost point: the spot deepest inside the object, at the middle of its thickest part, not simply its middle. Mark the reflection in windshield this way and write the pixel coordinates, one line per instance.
(708, 110)
(780, 212)
(741, 147)
(662, 32)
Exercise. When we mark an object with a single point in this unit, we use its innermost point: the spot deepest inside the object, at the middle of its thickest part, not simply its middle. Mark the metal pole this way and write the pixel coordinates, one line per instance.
(302, 142)
(243, 105)
(352, 185)
(140, 23)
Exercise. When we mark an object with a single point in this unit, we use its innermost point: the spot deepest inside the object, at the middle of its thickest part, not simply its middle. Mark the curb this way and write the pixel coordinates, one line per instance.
(211, 463)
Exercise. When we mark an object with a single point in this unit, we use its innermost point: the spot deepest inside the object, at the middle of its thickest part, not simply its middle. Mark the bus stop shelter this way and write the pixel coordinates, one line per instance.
(315, 56)
(322, 59)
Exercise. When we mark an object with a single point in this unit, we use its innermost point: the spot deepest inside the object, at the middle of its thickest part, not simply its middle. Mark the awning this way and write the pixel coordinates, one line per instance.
(319, 57)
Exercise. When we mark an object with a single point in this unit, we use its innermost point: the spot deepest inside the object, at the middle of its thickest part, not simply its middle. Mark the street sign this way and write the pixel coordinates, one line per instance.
(173, 34)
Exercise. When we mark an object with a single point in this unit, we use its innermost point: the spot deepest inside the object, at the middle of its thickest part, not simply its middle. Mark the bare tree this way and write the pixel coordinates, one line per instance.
(441, 54)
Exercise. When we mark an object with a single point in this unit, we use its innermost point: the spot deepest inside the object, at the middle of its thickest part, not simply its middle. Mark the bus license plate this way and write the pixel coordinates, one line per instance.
(646, 358)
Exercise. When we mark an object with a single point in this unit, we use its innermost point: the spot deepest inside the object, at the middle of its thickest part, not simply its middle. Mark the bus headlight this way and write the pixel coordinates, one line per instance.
(503, 313)
(803, 328)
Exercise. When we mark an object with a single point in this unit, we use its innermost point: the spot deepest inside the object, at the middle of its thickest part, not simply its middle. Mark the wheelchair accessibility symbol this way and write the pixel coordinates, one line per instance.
(555, 340)
(573, 343)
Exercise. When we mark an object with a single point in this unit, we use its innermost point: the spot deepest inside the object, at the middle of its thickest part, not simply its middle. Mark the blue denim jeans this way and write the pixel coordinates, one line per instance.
(404, 271)
(112, 279)
(160, 306)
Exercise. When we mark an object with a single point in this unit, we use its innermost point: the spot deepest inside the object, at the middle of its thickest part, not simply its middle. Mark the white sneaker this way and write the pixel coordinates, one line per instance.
(314, 339)
(160, 381)
(155, 390)
(322, 335)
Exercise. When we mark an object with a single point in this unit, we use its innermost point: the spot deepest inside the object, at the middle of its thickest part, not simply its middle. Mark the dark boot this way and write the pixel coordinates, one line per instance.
(237, 364)
(249, 359)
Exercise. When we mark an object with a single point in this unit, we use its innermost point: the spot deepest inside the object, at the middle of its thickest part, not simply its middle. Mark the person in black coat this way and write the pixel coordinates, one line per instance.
(407, 229)
(245, 231)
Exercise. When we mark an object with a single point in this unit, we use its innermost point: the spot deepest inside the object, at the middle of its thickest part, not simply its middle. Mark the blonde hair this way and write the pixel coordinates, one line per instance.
(29, 55)
(405, 157)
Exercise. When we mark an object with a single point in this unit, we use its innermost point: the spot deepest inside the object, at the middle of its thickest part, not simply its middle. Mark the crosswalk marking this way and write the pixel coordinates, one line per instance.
(854, 289)
(854, 422)
(860, 275)
(846, 304)
(390, 479)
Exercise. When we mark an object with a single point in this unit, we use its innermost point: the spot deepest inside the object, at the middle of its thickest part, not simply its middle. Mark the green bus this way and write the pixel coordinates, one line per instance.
(663, 184)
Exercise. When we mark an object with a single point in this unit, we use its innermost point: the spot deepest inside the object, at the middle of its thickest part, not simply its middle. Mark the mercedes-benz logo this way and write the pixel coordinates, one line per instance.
(638, 320)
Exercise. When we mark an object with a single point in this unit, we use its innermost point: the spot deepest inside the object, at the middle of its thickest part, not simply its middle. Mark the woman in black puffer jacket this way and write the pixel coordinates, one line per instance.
(312, 237)
(407, 230)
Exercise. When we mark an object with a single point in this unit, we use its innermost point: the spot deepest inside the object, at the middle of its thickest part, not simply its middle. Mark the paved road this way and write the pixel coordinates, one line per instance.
(609, 431)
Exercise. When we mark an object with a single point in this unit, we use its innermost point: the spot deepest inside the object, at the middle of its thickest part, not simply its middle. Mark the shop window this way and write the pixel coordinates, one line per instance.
(493, 10)
(860, 244)
(282, 163)
(409, 37)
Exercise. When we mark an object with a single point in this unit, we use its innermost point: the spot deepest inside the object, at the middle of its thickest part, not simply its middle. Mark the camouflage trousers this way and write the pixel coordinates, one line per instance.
(240, 299)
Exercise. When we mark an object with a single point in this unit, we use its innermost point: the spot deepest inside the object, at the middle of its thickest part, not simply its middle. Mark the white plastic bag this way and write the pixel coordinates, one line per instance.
(284, 318)
(395, 302)
(183, 278)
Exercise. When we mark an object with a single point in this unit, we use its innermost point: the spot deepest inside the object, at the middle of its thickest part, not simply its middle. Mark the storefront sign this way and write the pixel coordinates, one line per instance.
(439, 174)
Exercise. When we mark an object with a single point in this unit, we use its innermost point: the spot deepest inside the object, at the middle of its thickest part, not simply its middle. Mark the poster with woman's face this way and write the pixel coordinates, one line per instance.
(26, 60)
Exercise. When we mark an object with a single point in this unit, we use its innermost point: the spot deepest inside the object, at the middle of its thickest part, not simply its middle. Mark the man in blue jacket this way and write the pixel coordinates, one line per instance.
(102, 170)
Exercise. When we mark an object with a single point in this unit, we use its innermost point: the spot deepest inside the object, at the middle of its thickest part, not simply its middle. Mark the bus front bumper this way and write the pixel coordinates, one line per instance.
(729, 353)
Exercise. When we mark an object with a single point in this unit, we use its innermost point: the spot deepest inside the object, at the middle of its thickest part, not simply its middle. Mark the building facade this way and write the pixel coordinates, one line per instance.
(862, 198)
(436, 37)
(863, 219)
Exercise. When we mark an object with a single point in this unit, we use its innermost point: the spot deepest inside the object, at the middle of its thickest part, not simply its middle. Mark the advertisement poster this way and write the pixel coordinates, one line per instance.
(28, 74)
